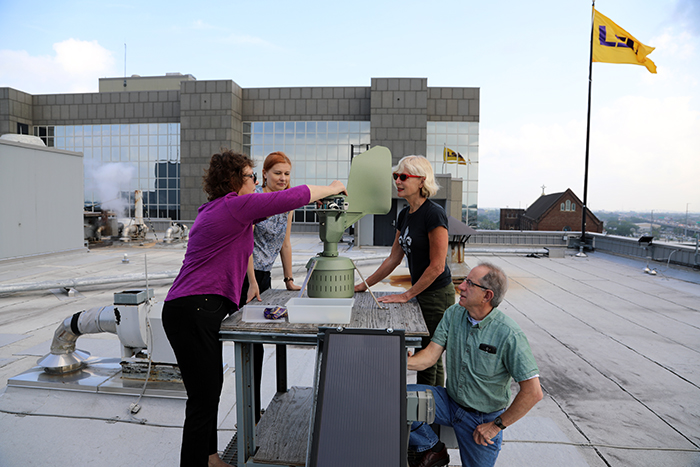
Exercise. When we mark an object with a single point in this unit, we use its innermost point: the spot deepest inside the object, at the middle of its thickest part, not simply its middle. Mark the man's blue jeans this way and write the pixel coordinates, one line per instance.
(449, 413)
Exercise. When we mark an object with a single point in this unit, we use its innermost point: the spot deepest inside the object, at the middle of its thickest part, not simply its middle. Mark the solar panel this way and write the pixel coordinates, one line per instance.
(360, 416)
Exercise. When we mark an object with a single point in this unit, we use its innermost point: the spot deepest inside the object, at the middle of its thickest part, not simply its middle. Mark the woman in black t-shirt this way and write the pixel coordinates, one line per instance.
(422, 237)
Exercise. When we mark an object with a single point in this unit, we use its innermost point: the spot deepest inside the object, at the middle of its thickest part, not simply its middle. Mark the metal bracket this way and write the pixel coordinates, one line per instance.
(381, 307)
(420, 406)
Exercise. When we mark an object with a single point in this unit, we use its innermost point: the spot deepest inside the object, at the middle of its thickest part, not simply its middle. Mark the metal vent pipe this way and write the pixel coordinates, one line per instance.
(64, 357)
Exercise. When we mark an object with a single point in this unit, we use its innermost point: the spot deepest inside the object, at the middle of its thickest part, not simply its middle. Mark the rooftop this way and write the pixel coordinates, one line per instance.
(617, 350)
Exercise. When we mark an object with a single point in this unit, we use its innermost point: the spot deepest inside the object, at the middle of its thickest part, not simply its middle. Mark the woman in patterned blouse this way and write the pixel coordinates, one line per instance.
(272, 237)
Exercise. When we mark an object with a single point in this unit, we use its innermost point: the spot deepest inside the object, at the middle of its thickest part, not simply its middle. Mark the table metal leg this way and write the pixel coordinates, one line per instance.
(281, 352)
(245, 405)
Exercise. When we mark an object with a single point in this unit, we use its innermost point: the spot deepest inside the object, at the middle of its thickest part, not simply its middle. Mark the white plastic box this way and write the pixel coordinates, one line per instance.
(256, 314)
(320, 310)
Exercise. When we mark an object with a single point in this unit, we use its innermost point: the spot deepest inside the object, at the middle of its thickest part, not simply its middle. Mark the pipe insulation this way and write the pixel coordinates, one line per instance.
(75, 283)
(504, 251)
(92, 321)
(64, 357)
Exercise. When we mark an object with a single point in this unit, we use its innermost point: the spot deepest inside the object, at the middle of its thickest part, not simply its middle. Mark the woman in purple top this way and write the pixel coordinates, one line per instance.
(208, 288)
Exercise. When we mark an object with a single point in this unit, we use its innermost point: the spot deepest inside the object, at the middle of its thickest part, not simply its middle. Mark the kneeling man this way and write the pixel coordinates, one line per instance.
(485, 349)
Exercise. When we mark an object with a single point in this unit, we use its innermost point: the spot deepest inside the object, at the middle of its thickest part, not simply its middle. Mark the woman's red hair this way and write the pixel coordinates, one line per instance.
(274, 158)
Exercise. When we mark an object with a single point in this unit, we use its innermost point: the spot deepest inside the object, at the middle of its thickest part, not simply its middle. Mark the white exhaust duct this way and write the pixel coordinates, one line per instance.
(138, 208)
(136, 229)
(128, 318)
(176, 231)
(64, 357)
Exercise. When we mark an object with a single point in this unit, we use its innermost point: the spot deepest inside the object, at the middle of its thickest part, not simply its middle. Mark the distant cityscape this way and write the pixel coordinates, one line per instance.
(670, 226)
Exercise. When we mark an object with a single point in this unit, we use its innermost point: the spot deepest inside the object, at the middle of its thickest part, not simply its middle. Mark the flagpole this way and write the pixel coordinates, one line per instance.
(444, 145)
(457, 167)
(582, 241)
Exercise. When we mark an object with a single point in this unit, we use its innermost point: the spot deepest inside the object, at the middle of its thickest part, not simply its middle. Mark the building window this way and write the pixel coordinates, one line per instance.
(119, 159)
(46, 133)
(463, 138)
(319, 150)
(22, 129)
(568, 206)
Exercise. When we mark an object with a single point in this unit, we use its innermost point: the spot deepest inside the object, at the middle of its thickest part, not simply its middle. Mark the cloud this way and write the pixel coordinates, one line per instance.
(688, 13)
(80, 57)
(199, 24)
(75, 67)
(515, 164)
(643, 155)
(244, 39)
(647, 154)
(226, 37)
(671, 44)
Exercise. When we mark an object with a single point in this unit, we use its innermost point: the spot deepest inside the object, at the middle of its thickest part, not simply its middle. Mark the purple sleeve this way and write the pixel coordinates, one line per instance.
(256, 206)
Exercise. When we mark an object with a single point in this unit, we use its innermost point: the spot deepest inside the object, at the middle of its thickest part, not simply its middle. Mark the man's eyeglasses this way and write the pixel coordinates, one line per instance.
(403, 177)
(474, 284)
(254, 176)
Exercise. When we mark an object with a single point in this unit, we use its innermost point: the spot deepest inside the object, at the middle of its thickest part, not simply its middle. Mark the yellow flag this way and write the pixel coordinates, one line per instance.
(612, 44)
(448, 155)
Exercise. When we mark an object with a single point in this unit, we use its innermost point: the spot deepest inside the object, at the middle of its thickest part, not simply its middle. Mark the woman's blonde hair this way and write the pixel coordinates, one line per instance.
(419, 165)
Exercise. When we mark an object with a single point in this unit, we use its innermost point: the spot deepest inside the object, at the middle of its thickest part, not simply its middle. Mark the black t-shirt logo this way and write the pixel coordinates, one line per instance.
(405, 242)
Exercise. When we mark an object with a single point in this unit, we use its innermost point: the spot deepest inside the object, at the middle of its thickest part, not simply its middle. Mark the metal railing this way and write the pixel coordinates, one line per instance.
(672, 253)
(517, 237)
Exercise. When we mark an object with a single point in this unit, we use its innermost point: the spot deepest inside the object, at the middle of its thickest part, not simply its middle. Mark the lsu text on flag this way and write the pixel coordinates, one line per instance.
(612, 44)
(450, 156)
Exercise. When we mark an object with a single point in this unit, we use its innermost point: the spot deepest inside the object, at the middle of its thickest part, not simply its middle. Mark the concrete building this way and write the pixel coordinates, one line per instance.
(143, 124)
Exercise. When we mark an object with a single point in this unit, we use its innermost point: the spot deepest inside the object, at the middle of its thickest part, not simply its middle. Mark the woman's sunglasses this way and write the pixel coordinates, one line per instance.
(403, 177)
(254, 176)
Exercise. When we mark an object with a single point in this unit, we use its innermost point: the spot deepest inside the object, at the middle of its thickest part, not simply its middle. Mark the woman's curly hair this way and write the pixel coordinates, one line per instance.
(225, 173)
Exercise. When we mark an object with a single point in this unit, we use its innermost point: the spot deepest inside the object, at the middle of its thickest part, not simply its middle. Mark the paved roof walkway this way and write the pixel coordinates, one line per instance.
(617, 348)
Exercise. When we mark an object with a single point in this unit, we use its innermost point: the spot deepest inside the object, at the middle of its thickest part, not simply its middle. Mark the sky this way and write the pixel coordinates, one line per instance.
(529, 59)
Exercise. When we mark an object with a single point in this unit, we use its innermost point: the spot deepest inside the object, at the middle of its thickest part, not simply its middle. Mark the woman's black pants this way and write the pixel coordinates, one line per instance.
(192, 325)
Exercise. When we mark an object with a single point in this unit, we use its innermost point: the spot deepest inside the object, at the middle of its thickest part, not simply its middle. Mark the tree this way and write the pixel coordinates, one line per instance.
(621, 227)
(486, 224)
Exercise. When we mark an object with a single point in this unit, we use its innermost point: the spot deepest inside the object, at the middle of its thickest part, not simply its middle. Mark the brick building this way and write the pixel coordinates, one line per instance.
(553, 212)
(510, 218)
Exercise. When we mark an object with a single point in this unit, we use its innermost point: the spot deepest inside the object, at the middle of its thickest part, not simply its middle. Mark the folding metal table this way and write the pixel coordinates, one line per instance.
(281, 435)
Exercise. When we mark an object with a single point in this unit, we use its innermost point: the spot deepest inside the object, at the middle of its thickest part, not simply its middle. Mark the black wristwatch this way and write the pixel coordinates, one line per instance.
(499, 423)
